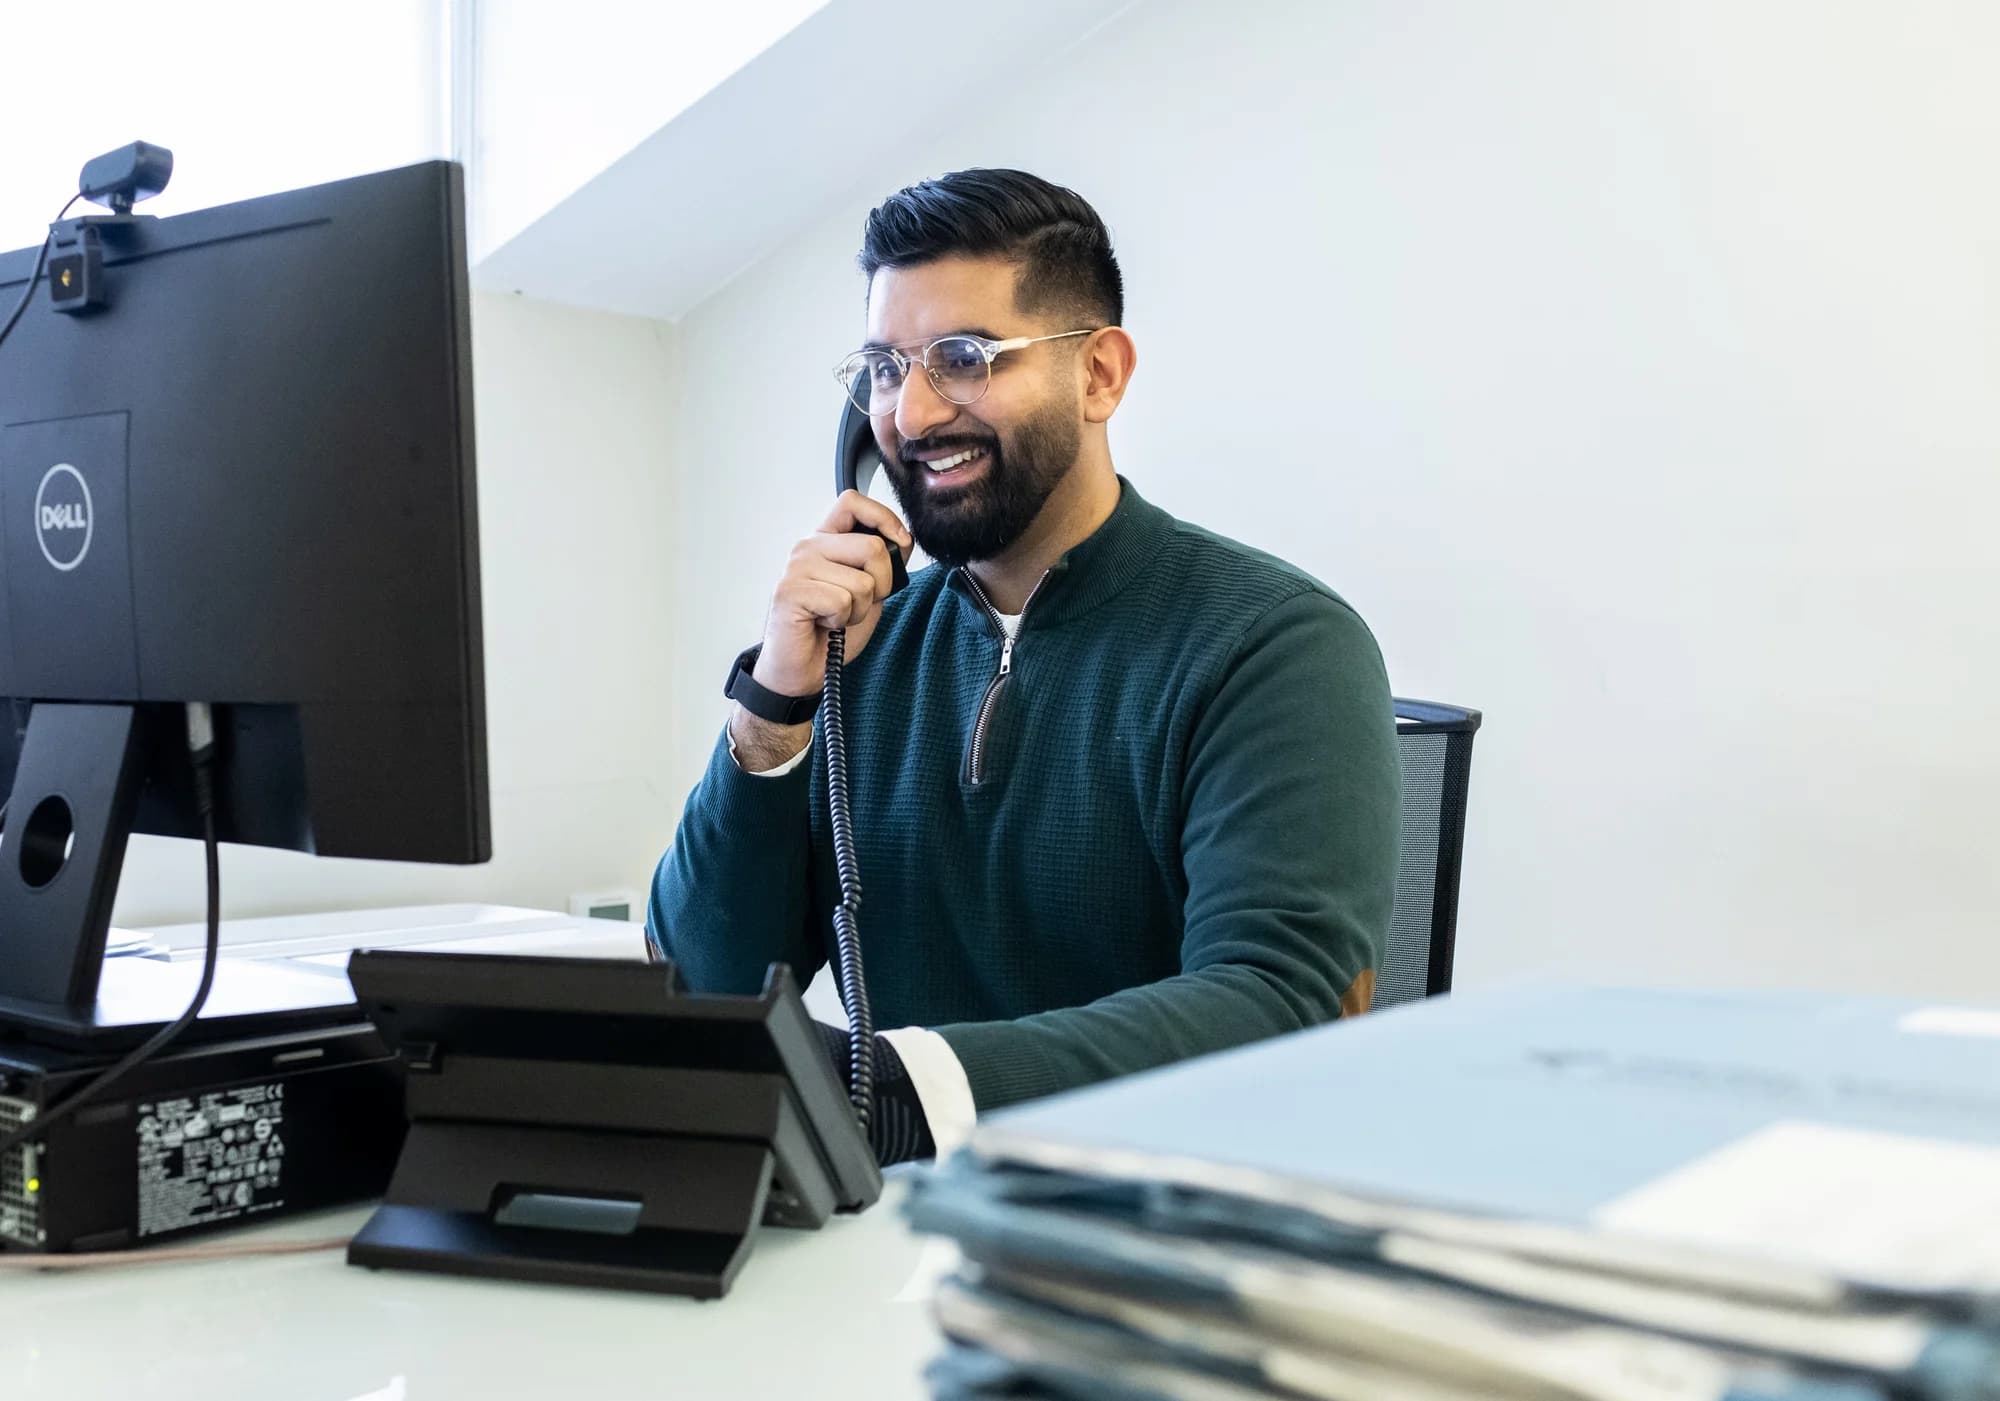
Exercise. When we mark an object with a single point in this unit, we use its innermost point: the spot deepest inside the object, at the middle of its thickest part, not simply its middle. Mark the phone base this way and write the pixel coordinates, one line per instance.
(672, 1216)
(587, 1121)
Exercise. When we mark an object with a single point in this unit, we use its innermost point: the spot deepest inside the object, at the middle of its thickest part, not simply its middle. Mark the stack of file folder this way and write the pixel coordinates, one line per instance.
(1529, 1192)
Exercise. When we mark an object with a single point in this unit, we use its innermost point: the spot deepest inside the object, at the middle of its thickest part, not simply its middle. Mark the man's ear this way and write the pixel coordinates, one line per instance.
(1107, 361)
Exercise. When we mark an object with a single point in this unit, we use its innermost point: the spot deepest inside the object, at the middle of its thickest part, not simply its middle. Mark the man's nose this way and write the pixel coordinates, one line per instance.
(921, 410)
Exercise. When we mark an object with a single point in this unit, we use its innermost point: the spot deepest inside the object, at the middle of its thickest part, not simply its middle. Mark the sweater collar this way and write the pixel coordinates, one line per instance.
(1095, 570)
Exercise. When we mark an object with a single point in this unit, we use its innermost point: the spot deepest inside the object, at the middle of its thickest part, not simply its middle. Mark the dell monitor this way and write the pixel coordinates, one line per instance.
(236, 468)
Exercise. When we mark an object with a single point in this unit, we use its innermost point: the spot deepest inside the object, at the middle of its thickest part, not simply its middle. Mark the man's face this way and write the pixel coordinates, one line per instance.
(1024, 433)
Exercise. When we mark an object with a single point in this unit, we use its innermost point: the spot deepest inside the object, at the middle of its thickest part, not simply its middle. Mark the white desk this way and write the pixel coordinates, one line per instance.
(323, 941)
(466, 927)
(823, 1314)
(827, 1314)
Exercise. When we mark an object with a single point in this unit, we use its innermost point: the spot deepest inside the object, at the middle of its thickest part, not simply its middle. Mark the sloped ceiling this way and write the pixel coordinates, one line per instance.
(775, 146)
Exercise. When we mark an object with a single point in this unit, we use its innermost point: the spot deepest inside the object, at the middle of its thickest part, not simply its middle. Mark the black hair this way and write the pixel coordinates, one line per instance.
(1061, 246)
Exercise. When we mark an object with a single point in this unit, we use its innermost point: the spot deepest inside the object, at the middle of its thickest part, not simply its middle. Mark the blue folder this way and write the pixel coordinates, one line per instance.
(1541, 1101)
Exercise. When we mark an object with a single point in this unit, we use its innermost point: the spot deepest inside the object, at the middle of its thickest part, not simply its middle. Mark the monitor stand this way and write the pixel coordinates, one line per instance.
(62, 848)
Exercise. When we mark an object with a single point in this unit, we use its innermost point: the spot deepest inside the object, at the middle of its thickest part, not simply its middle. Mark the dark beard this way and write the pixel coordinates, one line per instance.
(956, 526)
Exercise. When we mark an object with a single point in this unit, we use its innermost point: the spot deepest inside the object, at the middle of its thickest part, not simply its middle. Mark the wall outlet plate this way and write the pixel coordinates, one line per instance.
(608, 904)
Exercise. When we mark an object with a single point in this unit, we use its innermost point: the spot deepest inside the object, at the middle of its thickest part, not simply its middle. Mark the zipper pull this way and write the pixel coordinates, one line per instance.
(1006, 656)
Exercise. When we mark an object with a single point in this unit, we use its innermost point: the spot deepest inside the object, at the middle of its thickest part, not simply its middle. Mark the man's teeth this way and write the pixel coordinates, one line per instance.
(954, 462)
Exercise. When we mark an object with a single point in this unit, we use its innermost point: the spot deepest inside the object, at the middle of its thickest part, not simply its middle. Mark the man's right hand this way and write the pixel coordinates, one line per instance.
(836, 578)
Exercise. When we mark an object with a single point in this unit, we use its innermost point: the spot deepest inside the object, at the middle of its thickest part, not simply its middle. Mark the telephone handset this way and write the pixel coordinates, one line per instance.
(855, 458)
(854, 462)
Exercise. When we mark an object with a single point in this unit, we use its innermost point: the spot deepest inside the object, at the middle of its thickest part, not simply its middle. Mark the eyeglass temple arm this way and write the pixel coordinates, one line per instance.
(994, 348)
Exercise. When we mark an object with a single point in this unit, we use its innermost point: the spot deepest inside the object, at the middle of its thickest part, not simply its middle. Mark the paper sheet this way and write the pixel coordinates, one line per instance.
(1952, 1021)
(1910, 1212)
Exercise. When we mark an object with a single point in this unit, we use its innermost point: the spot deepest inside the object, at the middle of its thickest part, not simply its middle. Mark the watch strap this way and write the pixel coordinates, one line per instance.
(761, 701)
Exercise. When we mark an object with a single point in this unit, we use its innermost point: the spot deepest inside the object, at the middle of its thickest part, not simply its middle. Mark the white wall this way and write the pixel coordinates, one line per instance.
(575, 496)
(1631, 367)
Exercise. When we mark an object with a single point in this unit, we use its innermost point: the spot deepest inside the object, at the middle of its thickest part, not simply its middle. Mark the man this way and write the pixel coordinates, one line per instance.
(1124, 791)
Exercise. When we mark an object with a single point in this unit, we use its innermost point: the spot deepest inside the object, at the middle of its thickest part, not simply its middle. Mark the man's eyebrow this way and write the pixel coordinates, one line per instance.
(982, 333)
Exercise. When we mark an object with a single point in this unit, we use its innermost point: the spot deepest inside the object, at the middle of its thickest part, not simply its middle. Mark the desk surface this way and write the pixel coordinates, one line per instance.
(823, 1314)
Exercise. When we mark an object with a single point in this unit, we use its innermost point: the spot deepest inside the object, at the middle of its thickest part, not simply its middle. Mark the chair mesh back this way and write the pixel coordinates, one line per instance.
(1435, 745)
(1406, 962)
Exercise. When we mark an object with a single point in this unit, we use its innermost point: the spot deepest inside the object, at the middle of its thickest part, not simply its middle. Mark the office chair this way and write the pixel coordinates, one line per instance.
(1435, 744)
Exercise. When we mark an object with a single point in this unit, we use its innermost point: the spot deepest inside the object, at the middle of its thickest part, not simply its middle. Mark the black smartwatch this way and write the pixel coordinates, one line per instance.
(761, 702)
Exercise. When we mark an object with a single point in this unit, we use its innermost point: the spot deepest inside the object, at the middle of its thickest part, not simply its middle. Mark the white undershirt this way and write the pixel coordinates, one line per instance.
(939, 1079)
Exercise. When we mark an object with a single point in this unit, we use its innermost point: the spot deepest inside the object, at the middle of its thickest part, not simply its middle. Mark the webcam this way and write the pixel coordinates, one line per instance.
(121, 178)
(117, 180)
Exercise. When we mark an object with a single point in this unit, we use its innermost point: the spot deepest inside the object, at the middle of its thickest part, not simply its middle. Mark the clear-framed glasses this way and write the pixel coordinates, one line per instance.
(960, 368)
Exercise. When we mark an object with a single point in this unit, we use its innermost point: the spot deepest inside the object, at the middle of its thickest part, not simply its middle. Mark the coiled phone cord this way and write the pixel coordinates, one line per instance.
(847, 914)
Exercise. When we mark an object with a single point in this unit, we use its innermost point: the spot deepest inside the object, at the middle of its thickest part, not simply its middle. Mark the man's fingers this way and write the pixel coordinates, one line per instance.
(822, 604)
(851, 508)
(835, 595)
(863, 552)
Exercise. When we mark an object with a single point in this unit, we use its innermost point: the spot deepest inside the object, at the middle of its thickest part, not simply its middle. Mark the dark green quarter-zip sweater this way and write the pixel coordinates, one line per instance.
(1161, 823)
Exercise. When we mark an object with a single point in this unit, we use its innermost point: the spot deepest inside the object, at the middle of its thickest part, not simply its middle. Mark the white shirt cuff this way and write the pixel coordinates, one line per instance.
(940, 1083)
(784, 768)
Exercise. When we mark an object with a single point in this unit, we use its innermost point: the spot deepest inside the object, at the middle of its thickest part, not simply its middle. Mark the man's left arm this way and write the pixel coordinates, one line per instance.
(1291, 811)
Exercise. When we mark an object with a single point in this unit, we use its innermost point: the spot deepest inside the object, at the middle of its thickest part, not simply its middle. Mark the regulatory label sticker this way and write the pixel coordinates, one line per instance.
(212, 1157)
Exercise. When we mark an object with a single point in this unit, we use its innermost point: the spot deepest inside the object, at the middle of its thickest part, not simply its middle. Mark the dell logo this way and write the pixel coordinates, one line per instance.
(63, 517)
